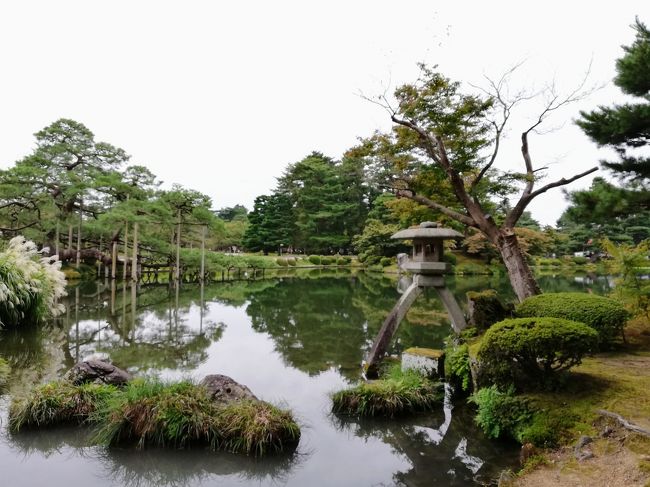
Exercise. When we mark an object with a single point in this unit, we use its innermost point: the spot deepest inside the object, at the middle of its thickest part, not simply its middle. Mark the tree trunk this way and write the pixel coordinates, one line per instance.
(521, 277)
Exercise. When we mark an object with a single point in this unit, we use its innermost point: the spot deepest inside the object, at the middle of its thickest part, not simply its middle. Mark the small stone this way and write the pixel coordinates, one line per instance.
(583, 441)
(583, 455)
(607, 432)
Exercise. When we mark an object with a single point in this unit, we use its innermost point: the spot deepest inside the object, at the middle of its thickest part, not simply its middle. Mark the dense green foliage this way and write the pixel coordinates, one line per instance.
(500, 413)
(398, 393)
(605, 315)
(535, 348)
(625, 127)
(318, 206)
(30, 285)
(631, 265)
(457, 366)
(75, 195)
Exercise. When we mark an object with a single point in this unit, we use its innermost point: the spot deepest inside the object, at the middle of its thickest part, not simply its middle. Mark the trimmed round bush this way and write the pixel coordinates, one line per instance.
(535, 347)
(325, 260)
(386, 261)
(314, 259)
(341, 261)
(291, 261)
(605, 315)
(282, 262)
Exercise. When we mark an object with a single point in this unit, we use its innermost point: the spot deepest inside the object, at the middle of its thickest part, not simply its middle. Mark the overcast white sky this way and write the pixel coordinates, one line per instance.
(221, 96)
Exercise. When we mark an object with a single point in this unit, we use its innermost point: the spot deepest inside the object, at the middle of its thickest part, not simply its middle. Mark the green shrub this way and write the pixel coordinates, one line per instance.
(449, 258)
(485, 308)
(291, 261)
(457, 369)
(399, 393)
(57, 403)
(606, 316)
(282, 262)
(580, 260)
(500, 413)
(385, 261)
(548, 262)
(326, 260)
(538, 348)
(471, 268)
(342, 261)
(314, 259)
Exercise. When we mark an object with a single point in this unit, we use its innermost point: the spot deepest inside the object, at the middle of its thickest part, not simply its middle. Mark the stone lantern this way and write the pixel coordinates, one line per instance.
(427, 268)
(427, 253)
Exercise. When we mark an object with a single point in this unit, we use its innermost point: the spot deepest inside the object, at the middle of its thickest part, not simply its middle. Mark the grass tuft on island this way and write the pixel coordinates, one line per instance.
(5, 371)
(57, 403)
(182, 414)
(154, 413)
(397, 393)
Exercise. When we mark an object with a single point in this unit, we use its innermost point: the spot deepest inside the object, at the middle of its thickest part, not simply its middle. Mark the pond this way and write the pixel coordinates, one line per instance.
(293, 340)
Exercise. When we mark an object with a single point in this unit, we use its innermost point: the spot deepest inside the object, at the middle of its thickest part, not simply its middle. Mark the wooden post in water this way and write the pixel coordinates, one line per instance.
(114, 261)
(101, 256)
(177, 276)
(78, 260)
(134, 263)
(56, 242)
(126, 251)
(70, 237)
(202, 278)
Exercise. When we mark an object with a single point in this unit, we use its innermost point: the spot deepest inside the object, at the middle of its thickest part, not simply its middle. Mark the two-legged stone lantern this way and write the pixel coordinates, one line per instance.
(427, 268)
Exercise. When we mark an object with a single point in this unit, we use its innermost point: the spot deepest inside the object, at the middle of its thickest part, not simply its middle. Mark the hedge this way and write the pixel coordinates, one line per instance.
(605, 315)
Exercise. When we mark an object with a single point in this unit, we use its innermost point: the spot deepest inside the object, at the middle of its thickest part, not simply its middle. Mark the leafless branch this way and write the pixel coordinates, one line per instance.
(526, 198)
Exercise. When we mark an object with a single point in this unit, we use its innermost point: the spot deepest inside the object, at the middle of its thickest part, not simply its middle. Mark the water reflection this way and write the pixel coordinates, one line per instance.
(294, 339)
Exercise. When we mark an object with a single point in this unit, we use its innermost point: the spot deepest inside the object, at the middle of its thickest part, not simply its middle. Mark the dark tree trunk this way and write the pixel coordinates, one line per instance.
(521, 277)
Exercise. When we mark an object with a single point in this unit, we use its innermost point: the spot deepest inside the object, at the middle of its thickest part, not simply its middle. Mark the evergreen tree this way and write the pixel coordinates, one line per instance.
(626, 127)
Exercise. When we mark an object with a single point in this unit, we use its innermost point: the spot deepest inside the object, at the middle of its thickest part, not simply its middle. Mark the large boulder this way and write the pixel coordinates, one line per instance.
(97, 370)
(225, 390)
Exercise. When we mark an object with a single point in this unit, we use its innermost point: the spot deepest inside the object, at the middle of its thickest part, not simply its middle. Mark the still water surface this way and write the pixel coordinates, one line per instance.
(293, 340)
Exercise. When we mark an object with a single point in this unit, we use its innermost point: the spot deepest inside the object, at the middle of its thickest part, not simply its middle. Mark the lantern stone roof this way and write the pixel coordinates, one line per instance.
(428, 230)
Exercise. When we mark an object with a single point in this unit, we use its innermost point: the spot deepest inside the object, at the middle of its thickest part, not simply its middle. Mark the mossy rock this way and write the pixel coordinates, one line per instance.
(485, 308)
(425, 352)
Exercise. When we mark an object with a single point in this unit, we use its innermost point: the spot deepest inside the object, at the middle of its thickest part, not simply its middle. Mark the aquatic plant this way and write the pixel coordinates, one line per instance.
(183, 414)
(397, 393)
(30, 285)
(57, 403)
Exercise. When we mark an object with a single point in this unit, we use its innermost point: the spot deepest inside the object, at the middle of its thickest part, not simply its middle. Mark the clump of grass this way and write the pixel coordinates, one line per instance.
(152, 413)
(398, 393)
(57, 403)
(5, 370)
